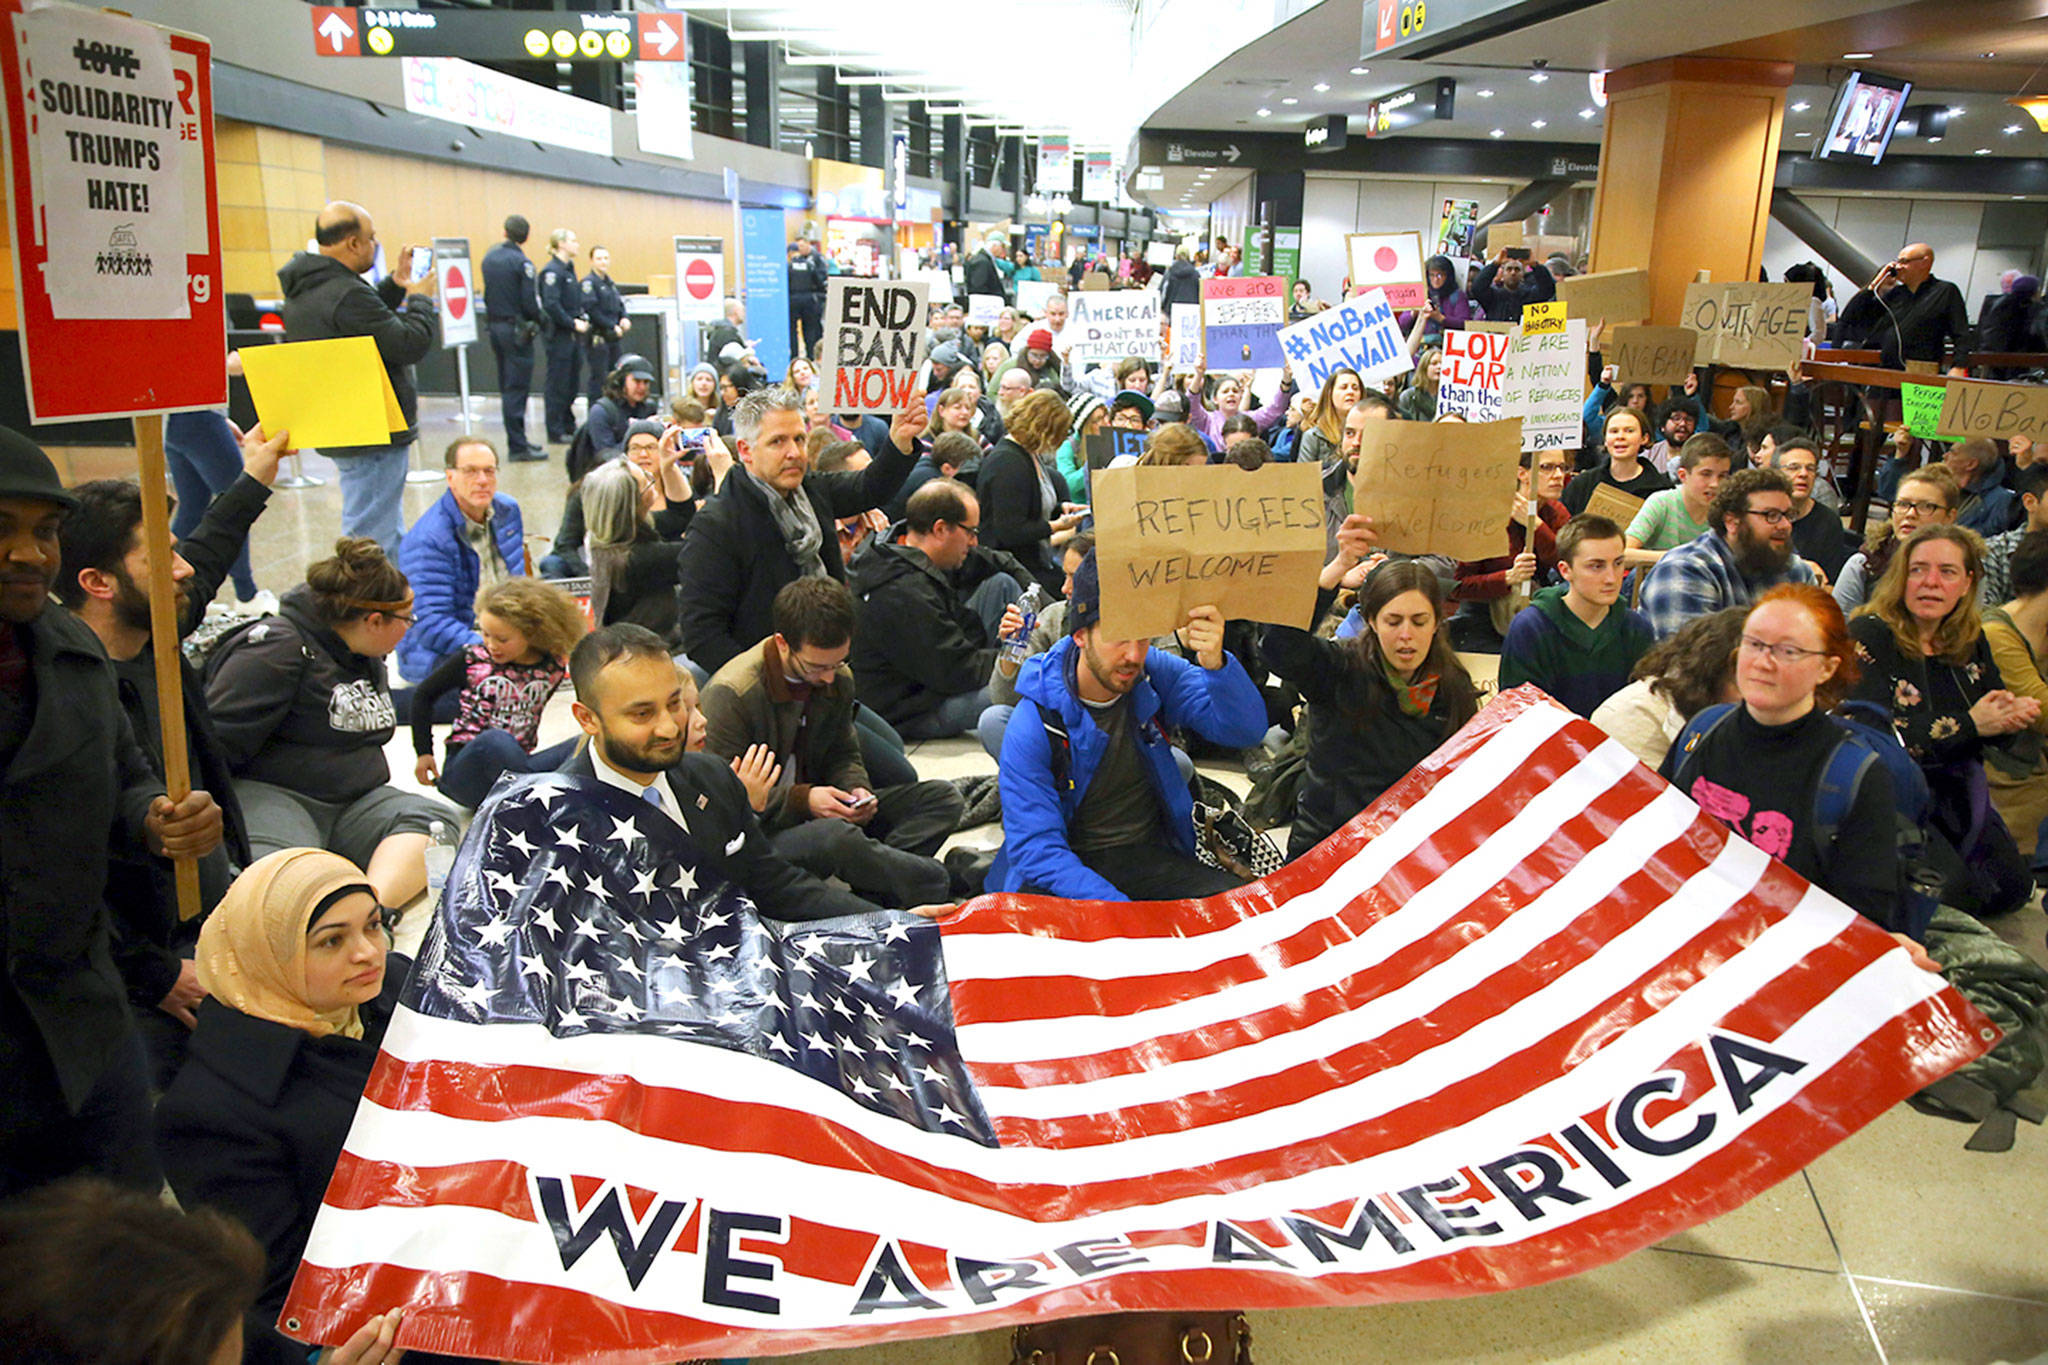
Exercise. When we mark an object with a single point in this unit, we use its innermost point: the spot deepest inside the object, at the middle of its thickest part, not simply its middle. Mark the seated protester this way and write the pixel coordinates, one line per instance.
(1758, 766)
(1235, 429)
(632, 565)
(1674, 516)
(735, 381)
(954, 410)
(1579, 644)
(1025, 514)
(2017, 632)
(1988, 507)
(471, 537)
(1926, 497)
(1248, 453)
(1035, 361)
(854, 532)
(2030, 486)
(302, 984)
(1131, 410)
(1231, 391)
(505, 681)
(767, 525)
(635, 705)
(1749, 408)
(1920, 641)
(1093, 805)
(950, 451)
(1378, 703)
(1172, 446)
(1485, 589)
(660, 454)
(1675, 680)
(1070, 461)
(303, 713)
(1418, 400)
(1046, 631)
(1676, 420)
(1624, 467)
(1817, 532)
(1286, 437)
(102, 581)
(789, 702)
(1744, 553)
(1605, 398)
(930, 604)
(1337, 499)
(628, 396)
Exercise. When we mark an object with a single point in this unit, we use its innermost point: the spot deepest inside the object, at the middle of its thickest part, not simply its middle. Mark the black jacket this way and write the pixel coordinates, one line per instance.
(1014, 516)
(324, 299)
(983, 277)
(1183, 285)
(734, 560)
(294, 706)
(917, 643)
(254, 1124)
(509, 285)
(1909, 325)
(561, 301)
(807, 278)
(642, 588)
(731, 844)
(77, 782)
(1502, 305)
(603, 306)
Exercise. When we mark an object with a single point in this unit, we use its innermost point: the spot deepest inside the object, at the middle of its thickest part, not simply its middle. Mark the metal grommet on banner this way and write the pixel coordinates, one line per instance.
(1188, 1347)
(1103, 1355)
(291, 1324)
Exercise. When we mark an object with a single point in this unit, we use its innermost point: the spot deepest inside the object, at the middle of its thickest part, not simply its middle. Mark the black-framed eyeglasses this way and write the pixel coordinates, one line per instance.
(1783, 653)
(1773, 516)
(1917, 507)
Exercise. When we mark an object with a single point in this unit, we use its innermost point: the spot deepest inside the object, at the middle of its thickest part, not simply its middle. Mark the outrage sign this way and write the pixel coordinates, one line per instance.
(1360, 334)
(1475, 368)
(871, 333)
(1749, 326)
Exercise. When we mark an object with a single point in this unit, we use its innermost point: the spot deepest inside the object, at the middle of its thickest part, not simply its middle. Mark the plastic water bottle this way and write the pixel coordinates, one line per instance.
(440, 857)
(1018, 642)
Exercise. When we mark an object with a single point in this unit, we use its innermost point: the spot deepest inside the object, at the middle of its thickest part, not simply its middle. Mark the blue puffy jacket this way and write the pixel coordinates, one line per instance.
(1223, 706)
(444, 575)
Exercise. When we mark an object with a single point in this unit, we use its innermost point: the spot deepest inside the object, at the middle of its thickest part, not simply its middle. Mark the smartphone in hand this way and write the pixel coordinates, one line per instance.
(422, 265)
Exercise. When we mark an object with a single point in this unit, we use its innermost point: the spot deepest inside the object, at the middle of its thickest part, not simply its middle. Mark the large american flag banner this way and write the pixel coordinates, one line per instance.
(1530, 1012)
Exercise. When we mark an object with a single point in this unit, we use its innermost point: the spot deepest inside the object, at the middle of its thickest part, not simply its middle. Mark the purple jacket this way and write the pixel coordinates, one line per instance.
(1210, 424)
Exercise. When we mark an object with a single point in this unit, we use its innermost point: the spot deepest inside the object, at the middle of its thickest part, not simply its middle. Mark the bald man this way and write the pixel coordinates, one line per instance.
(325, 296)
(1912, 316)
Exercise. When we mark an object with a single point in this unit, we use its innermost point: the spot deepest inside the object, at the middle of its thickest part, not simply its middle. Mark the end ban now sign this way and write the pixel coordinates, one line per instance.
(871, 333)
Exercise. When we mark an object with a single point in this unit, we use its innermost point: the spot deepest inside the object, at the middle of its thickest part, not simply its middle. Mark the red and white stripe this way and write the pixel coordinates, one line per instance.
(1527, 926)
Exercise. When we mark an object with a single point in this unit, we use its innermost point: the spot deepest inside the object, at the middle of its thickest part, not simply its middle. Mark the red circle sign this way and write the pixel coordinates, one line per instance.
(455, 292)
(698, 278)
(1384, 259)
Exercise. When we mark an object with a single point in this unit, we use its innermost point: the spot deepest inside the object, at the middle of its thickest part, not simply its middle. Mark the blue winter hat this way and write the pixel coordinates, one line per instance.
(1084, 604)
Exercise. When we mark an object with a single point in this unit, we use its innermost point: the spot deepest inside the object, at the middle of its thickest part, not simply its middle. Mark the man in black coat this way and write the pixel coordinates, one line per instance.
(983, 276)
(74, 1094)
(808, 274)
(1508, 285)
(104, 583)
(512, 307)
(771, 522)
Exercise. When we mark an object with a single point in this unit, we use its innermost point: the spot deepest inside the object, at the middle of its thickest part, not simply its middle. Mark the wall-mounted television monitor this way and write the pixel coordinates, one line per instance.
(1865, 112)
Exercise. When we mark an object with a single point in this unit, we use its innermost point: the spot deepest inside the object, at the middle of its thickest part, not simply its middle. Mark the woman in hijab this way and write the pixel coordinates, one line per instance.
(294, 963)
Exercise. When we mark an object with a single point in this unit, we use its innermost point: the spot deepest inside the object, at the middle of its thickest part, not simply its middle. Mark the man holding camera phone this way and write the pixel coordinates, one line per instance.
(1510, 283)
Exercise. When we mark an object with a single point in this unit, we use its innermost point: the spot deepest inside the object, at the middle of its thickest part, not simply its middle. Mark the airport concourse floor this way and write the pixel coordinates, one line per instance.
(1897, 1245)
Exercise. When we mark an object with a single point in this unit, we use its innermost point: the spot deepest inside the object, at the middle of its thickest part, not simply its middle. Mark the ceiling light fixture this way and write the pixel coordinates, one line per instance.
(1486, 94)
(1585, 113)
(1538, 77)
(1289, 99)
(1322, 87)
(1539, 123)
(2011, 128)
(1361, 71)
(1498, 132)
(1857, 56)
(1956, 111)
(1982, 151)
(1801, 107)
(1265, 113)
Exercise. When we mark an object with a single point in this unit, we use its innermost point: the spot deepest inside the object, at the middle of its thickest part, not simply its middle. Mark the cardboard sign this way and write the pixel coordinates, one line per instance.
(1034, 295)
(1545, 386)
(1608, 296)
(1095, 280)
(1360, 333)
(1923, 408)
(1543, 319)
(872, 328)
(1651, 355)
(1247, 542)
(325, 393)
(1475, 367)
(1977, 407)
(1241, 322)
(1187, 338)
(1111, 326)
(1749, 326)
(1443, 488)
(1391, 261)
(1497, 328)
(1613, 503)
(984, 310)
(1500, 235)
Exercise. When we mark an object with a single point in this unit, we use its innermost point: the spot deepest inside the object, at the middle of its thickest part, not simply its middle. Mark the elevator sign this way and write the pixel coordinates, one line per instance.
(506, 36)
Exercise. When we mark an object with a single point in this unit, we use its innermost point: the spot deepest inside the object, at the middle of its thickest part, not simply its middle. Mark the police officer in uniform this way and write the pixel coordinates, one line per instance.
(608, 322)
(563, 323)
(808, 274)
(514, 313)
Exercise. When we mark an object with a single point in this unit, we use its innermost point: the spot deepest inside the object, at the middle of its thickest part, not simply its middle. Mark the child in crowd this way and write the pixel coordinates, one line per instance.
(529, 627)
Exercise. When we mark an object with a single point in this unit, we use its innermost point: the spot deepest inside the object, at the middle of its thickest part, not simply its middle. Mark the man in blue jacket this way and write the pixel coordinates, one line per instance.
(1093, 807)
(471, 537)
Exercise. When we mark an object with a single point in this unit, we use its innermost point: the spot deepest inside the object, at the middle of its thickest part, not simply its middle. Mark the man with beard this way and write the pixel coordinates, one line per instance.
(74, 1089)
(1745, 551)
(103, 582)
(1010, 389)
(636, 706)
(1094, 807)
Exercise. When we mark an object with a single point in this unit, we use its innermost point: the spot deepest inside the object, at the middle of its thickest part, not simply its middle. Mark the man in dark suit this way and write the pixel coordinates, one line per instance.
(633, 702)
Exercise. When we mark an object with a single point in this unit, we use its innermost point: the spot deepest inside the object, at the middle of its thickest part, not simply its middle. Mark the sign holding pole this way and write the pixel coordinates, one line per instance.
(455, 300)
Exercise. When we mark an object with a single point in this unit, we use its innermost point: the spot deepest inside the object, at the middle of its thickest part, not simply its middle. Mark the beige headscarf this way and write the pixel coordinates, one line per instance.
(252, 950)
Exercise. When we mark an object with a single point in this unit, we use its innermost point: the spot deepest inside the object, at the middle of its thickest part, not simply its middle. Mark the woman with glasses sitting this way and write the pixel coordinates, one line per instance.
(302, 712)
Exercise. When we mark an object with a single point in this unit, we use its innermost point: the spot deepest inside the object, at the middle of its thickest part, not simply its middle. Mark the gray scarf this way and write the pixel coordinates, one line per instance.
(797, 519)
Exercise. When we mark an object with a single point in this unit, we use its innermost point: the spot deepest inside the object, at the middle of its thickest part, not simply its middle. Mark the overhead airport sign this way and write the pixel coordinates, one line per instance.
(498, 35)
(1326, 134)
(1420, 28)
(1412, 107)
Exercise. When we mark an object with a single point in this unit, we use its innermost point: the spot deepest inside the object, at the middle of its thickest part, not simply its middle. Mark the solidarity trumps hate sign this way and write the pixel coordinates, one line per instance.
(871, 331)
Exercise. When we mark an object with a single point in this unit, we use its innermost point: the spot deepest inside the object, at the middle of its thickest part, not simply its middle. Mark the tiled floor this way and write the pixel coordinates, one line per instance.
(1897, 1245)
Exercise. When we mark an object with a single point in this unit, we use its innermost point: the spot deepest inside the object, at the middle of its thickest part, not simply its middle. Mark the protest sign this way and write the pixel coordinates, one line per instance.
(872, 329)
(1241, 322)
(1110, 326)
(1545, 386)
(1360, 333)
(1247, 542)
(1474, 368)
(1977, 407)
(1543, 319)
(326, 393)
(1443, 488)
(1113, 443)
(1500, 235)
(1187, 338)
(1616, 505)
(1454, 228)
(1391, 261)
(1034, 295)
(1608, 296)
(1749, 326)
(1497, 328)
(1922, 408)
(984, 310)
(1651, 355)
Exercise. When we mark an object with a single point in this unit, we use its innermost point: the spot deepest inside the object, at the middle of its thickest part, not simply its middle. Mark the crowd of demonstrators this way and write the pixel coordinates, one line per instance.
(2030, 490)
(1745, 551)
(1230, 401)
(1577, 642)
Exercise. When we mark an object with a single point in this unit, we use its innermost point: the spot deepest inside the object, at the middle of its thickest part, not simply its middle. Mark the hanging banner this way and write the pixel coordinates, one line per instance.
(872, 328)
(764, 269)
(1055, 165)
(1359, 334)
(455, 291)
(1241, 322)
(1531, 1011)
(661, 108)
(1098, 178)
(1475, 368)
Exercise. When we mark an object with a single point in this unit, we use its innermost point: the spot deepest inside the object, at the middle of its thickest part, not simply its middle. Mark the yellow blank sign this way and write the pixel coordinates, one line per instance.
(325, 393)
